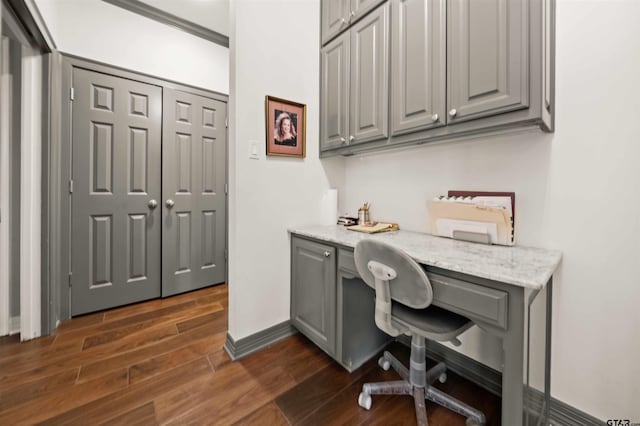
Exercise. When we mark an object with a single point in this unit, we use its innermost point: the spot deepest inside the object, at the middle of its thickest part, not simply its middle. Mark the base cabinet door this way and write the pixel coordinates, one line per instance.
(313, 292)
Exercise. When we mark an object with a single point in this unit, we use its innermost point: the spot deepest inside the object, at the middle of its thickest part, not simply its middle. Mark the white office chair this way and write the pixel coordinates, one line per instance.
(403, 299)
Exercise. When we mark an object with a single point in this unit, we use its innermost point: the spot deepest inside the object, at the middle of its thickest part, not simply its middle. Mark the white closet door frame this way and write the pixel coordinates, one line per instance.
(5, 174)
(30, 195)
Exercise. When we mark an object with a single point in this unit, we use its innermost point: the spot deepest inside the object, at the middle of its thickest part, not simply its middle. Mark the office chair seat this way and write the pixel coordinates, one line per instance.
(433, 322)
(403, 306)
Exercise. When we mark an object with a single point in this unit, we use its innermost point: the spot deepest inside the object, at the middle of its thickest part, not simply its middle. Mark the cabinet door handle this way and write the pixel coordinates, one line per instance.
(452, 113)
(327, 253)
(343, 140)
(344, 21)
(169, 203)
(351, 138)
(435, 117)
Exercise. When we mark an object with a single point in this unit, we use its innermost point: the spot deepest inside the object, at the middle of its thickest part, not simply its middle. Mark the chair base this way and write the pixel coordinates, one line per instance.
(420, 392)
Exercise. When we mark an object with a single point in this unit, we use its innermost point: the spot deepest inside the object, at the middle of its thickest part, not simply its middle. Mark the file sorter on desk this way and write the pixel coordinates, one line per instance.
(480, 218)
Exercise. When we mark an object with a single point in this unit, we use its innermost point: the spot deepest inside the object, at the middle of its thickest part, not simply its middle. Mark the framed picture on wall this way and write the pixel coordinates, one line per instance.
(286, 127)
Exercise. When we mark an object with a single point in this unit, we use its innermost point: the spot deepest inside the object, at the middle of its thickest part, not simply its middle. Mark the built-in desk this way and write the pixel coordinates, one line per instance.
(494, 286)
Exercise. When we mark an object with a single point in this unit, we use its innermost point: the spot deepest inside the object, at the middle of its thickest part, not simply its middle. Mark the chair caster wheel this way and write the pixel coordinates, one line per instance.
(443, 378)
(384, 364)
(364, 400)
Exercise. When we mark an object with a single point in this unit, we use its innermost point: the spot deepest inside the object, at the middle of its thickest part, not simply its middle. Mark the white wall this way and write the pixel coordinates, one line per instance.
(576, 190)
(273, 51)
(103, 32)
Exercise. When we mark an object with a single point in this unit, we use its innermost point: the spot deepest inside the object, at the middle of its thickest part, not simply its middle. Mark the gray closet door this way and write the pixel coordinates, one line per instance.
(334, 93)
(116, 176)
(193, 182)
(335, 16)
(369, 100)
(487, 57)
(418, 65)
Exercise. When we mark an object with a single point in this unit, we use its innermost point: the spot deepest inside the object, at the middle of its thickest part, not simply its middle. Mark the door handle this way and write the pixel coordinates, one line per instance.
(152, 204)
(169, 203)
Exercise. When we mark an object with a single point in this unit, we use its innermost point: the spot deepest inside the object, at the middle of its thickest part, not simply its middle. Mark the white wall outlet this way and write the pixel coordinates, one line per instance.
(253, 150)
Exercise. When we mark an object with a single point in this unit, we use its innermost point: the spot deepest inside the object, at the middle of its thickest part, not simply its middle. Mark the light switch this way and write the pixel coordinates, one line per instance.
(253, 150)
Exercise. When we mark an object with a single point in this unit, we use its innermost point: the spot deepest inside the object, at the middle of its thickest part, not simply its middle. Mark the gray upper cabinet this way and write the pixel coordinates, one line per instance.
(418, 65)
(419, 71)
(359, 8)
(313, 292)
(354, 84)
(334, 98)
(369, 94)
(488, 57)
(337, 15)
(334, 18)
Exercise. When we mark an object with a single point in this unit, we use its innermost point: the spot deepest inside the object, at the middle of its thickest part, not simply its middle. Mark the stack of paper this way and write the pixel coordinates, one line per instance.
(486, 219)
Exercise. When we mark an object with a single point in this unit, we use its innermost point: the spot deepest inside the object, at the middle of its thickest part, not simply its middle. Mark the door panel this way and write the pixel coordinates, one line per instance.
(487, 57)
(418, 75)
(334, 99)
(369, 101)
(359, 8)
(313, 292)
(116, 139)
(194, 174)
(335, 14)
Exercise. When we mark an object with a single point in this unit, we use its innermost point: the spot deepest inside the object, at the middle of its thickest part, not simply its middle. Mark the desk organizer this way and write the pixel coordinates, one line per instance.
(474, 216)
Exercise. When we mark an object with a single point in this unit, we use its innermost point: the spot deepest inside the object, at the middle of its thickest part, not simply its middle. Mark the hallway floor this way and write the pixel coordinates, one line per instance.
(163, 362)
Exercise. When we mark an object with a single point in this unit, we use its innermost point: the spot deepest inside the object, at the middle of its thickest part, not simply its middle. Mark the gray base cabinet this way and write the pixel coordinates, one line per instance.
(457, 68)
(331, 305)
(313, 292)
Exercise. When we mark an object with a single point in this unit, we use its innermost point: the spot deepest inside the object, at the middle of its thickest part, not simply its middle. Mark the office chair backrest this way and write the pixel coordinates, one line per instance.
(411, 286)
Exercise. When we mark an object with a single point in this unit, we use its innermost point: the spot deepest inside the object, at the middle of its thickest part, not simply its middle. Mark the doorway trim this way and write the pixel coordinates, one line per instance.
(34, 125)
(58, 170)
(5, 175)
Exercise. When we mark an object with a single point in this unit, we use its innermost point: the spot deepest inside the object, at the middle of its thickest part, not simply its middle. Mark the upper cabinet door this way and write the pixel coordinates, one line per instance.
(369, 99)
(487, 57)
(359, 8)
(335, 18)
(334, 93)
(418, 65)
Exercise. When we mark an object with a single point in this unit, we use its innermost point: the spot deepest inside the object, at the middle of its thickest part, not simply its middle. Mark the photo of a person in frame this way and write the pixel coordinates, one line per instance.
(285, 128)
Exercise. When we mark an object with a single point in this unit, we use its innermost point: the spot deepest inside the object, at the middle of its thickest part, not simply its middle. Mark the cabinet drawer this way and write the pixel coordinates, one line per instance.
(477, 302)
(346, 262)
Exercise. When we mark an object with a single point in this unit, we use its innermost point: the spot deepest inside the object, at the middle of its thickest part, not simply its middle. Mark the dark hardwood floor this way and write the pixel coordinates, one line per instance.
(162, 362)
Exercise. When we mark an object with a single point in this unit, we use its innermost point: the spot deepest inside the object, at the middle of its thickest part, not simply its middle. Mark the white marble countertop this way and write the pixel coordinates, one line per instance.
(522, 266)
